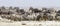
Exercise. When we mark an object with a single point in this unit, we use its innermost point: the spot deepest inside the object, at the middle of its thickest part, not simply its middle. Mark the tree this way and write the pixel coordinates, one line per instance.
(10, 7)
(44, 8)
(21, 11)
(16, 8)
(58, 11)
(31, 8)
(35, 10)
(3, 7)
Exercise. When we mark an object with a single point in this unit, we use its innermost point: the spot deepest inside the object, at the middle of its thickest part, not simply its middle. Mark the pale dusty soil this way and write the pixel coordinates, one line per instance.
(5, 22)
(31, 23)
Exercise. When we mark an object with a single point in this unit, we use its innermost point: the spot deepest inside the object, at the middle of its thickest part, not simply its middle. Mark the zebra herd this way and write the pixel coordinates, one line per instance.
(33, 14)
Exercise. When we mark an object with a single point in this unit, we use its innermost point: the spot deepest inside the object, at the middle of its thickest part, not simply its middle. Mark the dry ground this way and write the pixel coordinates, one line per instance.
(5, 22)
(31, 23)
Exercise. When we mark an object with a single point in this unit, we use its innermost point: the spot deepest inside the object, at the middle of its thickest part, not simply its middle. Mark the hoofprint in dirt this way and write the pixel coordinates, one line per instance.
(31, 23)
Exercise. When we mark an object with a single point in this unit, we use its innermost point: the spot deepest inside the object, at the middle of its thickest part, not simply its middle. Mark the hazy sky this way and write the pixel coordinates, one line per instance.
(28, 3)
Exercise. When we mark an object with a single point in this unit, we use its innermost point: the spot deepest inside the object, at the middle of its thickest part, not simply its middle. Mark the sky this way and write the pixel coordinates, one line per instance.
(29, 3)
